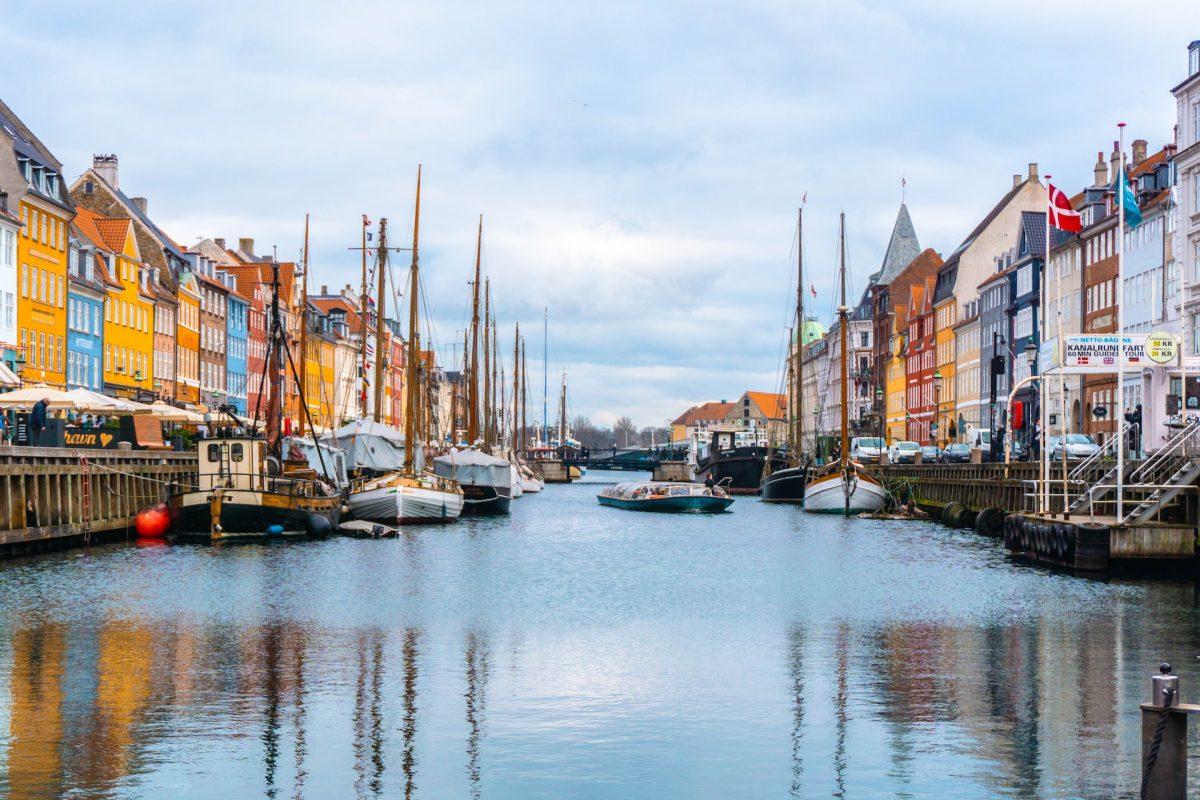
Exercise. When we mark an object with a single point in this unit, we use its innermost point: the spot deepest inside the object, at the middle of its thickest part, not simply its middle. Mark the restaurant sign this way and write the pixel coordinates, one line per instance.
(93, 439)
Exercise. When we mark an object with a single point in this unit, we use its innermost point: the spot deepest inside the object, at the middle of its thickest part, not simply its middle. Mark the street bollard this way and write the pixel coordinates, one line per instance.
(1164, 739)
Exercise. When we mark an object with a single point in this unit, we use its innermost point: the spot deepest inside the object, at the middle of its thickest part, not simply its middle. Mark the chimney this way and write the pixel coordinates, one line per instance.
(140, 202)
(1139, 151)
(1115, 161)
(1100, 171)
(324, 289)
(220, 243)
(246, 246)
(1033, 172)
(105, 165)
(1016, 180)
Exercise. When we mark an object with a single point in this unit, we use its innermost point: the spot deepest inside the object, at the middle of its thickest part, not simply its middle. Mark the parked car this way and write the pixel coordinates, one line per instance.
(956, 453)
(866, 449)
(1079, 446)
(904, 452)
(930, 454)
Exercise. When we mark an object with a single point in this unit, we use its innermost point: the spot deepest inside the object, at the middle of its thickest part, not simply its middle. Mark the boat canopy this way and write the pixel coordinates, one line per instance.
(331, 463)
(371, 446)
(473, 467)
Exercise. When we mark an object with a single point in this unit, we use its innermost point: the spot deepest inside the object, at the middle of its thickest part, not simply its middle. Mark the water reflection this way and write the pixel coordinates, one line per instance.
(586, 666)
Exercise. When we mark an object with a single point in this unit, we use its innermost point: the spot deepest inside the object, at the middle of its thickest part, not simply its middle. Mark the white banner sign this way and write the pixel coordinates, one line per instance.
(1086, 353)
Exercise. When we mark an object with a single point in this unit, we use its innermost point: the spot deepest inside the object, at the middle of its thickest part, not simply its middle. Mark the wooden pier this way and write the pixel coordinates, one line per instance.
(52, 498)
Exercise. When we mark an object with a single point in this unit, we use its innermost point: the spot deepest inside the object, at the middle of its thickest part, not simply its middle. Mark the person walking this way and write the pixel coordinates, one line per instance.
(37, 421)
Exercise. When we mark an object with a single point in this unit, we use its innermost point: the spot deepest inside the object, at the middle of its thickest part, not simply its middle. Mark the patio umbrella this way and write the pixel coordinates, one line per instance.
(25, 398)
(169, 413)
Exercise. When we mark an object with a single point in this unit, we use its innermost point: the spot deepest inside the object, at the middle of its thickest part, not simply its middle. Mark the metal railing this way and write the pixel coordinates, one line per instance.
(1030, 490)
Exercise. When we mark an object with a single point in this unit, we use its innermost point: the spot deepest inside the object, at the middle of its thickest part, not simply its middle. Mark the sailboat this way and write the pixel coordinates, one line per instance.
(486, 480)
(787, 485)
(845, 487)
(412, 495)
(523, 476)
(251, 488)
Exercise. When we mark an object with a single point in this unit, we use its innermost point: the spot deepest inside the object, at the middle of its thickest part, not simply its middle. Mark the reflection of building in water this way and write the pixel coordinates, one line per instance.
(35, 719)
(796, 674)
(409, 761)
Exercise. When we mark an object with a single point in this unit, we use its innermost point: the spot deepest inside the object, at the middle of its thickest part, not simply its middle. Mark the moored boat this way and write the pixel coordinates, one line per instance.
(784, 485)
(401, 499)
(738, 467)
(850, 492)
(665, 497)
(486, 480)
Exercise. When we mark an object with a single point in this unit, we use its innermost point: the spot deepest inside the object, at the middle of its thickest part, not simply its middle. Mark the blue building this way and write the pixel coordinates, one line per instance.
(86, 289)
(236, 352)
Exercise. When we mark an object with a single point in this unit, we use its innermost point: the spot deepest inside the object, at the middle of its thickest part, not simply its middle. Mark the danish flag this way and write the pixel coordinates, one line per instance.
(1062, 216)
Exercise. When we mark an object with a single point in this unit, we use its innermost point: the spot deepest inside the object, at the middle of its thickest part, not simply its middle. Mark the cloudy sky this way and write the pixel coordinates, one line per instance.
(638, 165)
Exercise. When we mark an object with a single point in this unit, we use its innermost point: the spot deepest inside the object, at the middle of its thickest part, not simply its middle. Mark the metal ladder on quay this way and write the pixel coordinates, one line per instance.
(1091, 473)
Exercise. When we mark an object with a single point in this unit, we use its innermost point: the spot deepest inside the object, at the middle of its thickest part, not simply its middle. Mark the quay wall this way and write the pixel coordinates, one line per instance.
(52, 498)
(977, 486)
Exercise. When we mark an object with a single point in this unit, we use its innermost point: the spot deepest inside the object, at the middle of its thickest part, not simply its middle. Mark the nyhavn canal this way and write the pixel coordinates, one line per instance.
(573, 650)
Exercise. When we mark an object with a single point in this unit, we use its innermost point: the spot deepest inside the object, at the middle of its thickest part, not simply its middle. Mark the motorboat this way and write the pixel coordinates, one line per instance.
(662, 496)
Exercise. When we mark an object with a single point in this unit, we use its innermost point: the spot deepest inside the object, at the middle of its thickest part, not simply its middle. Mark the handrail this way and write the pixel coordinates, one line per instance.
(1110, 445)
(1177, 442)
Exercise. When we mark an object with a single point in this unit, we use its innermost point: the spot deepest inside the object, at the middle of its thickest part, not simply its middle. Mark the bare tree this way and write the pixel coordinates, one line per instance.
(624, 430)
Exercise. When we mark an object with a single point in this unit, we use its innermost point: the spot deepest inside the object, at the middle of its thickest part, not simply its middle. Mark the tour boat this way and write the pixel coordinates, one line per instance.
(666, 497)
(485, 479)
(410, 495)
(844, 487)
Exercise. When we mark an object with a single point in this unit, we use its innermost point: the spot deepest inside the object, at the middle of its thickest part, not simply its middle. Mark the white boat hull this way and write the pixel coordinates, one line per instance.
(827, 494)
(406, 505)
(531, 484)
(518, 488)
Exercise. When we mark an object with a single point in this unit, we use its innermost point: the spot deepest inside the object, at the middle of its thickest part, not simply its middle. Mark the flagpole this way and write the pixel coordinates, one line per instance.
(1120, 298)
(1044, 494)
(1062, 390)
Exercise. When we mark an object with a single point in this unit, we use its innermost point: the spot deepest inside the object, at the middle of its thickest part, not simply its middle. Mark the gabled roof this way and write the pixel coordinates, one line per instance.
(87, 221)
(708, 412)
(27, 145)
(987, 220)
(901, 250)
(213, 252)
(1033, 233)
(771, 404)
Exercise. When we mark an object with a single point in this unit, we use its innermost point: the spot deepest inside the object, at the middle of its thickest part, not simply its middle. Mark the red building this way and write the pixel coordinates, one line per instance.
(921, 363)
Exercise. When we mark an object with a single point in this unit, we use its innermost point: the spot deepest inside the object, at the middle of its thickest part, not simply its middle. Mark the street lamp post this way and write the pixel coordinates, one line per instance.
(937, 405)
(879, 411)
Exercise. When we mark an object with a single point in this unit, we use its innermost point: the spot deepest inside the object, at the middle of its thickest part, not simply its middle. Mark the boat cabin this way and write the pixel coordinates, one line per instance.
(244, 463)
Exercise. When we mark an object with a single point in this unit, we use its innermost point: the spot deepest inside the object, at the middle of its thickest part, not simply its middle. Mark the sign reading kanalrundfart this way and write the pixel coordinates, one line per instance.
(1093, 353)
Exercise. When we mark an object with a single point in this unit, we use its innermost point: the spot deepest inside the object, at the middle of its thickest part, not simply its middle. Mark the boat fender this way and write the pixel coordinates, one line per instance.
(1071, 535)
(318, 526)
(1060, 541)
(275, 530)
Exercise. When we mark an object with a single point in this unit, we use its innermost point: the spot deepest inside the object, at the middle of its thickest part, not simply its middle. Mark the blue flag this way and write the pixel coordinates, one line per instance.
(1133, 214)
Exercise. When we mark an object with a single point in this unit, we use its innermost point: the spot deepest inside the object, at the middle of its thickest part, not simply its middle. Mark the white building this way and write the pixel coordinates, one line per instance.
(10, 226)
(1186, 238)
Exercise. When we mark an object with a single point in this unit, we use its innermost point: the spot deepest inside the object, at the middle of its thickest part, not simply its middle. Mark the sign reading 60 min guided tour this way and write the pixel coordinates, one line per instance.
(1088, 353)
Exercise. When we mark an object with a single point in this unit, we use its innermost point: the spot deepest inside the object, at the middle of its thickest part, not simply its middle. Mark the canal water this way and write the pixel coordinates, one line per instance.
(576, 651)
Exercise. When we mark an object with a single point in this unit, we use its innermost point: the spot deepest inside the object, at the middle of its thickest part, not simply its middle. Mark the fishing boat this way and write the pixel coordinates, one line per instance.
(412, 494)
(666, 497)
(844, 487)
(255, 488)
(786, 485)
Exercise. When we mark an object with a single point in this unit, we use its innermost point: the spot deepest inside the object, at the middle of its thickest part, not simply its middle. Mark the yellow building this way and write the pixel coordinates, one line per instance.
(328, 381)
(42, 303)
(34, 765)
(128, 309)
(897, 378)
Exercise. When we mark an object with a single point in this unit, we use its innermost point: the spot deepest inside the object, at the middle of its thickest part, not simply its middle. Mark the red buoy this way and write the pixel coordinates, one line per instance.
(153, 522)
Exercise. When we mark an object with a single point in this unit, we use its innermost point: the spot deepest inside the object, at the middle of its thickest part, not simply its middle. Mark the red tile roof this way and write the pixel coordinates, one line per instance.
(708, 412)
(771, 404)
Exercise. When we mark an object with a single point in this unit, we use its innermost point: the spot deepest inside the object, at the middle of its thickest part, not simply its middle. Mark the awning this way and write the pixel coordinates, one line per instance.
(8, 378)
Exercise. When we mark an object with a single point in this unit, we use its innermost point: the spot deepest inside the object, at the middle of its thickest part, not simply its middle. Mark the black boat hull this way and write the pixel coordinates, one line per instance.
(483, 501)
(784, 486)
(254, 521)
(740, 468)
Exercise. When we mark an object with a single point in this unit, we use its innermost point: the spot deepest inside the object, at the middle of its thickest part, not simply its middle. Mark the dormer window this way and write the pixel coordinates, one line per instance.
(1194, 58)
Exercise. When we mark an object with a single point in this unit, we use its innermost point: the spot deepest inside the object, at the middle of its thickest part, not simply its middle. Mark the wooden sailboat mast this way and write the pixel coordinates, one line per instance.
(487, 363)
(304, 327)
(412, 378)
(497, 387)
(524, 388)
(516, 396)
(466, 377)
(473, 377)
(362, 319)
(844, 336)
(562, 414)
(380, 308)
(798, 372)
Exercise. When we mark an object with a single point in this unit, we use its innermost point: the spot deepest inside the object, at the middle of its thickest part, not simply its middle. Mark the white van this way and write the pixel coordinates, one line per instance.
(866, 449)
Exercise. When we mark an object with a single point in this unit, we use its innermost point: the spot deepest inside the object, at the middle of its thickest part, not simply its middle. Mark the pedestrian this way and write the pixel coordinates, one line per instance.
(4, 428)
(709, 482)
(37, 421)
